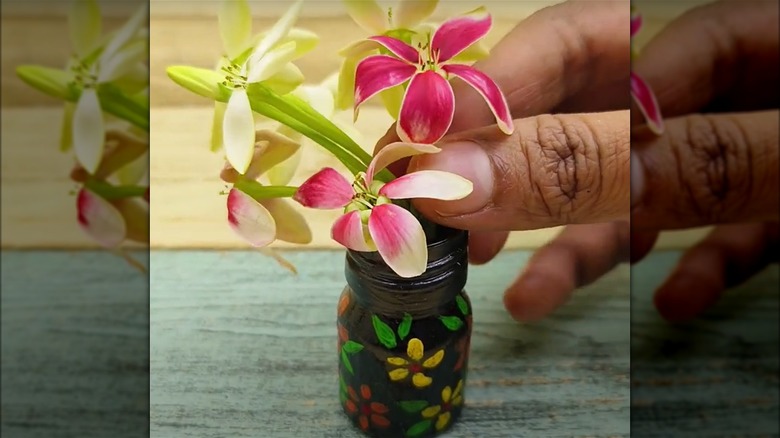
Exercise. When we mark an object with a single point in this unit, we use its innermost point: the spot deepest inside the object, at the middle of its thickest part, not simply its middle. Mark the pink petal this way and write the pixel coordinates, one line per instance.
(427, 109)
(399, 48)
(394, 152)
(326, 189)
(400, 239)
(458, 33)
(647, 103)
(488, 90)
(430, 184)
(100, 219)
(636, 23)
(348, 230)
(377, 73)
(249, 219)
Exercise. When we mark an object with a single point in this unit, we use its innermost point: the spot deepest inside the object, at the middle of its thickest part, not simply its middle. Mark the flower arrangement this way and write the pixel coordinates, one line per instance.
(641, 92)
(406, 62)
(105, 89)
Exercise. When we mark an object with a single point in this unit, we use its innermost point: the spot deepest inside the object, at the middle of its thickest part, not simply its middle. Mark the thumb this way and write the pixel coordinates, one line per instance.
(553, 170)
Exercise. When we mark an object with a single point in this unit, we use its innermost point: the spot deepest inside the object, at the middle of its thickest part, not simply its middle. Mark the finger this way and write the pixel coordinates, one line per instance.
(571, 54)
(485, 245)
(725, 258)
(554, 170)
(642, 242)
(707, 169)
(578, 256)
(721, 55)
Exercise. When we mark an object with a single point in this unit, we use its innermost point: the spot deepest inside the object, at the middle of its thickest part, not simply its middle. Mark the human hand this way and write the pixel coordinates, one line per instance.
(714, 72)
(565, 73)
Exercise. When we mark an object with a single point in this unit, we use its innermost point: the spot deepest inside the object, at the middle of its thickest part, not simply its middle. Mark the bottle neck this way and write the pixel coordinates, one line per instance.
(380, 289)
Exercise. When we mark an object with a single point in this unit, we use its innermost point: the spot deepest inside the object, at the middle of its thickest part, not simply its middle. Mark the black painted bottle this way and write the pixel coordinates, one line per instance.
(404, 343)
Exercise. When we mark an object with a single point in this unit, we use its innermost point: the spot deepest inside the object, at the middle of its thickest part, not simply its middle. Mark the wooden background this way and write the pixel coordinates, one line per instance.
(187, 210)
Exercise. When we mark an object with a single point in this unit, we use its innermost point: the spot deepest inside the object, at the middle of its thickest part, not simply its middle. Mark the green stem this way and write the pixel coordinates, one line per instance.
(111, 192)
(258, 191)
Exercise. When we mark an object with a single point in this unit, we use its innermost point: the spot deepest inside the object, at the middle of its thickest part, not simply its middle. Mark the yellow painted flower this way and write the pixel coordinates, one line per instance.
(414, 365)
(449, 399)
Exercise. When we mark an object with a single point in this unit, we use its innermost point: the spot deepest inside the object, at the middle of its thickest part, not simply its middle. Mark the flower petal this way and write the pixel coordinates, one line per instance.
(420, 380)
(435, 360)
(66, 132)
(645, 99)
(291, 226)
(488, 90)
(377, 73)
(326, 189)
(415, 349)
(427, 110)
(319, 97)
(397, 361)
(345, 97)
(394, 152)
(409, 13)
(442, 421)
(446, 394)
(283, 173)
(285, 80)
(271, 148)
(456, 34)
(278, 31)
(392, 98)
(430, 411)
(135, 212)
(348, 230)
(238, 131)
(264, 67)
(367, 14)
(636, 23)
(235, 26)
(88, 130)
(249, 219)
(474, 52)
(84, 25)
(127, 31)
(123, 62)
(398, 48)
(216, 125)
(400, 239)
(398, 374)
(100, 219)
(430, 184)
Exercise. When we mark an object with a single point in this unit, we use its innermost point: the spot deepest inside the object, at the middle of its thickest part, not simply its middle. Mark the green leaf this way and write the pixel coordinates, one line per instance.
(54, 82)
(413, 406)
(383, 332)
(418, 428)
(343, 385)
(345, 361)
(451, 322)
(352, 347)
(462, 305)
(342, 397)
(111, 192)
(258, 191)
(405, 326)
(201, 81)
(114, 101)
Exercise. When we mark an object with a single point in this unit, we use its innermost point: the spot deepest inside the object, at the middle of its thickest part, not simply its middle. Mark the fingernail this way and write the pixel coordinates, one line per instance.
(468, 160)
(637, 179)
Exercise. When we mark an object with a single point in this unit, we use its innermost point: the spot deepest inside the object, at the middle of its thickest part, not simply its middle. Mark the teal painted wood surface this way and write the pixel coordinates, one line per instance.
(242, 348)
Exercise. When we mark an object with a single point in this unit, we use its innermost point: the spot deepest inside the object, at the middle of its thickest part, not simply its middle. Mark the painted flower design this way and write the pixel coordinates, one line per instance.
(428, 105)
(369, 413)
(641, 92)
(449, 400)
(261, 220)
(371, 222)
(414, 365)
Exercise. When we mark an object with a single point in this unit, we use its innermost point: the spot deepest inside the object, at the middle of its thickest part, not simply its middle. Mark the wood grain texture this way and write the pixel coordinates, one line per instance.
(241, 348)
(716, 376)
(75, 329)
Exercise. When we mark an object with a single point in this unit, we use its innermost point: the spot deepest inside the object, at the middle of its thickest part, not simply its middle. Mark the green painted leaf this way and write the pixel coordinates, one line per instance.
(413, 406)
(418, 428)
(462, 305)
(345, 361)
(405, 326)
(451, 322)
(343, 396)
(383, 332)
(342, 385)
(352, 347)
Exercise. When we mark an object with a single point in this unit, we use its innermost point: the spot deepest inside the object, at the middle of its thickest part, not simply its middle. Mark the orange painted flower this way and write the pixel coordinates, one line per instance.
(369, 413)
(343, 335)
(343, 303)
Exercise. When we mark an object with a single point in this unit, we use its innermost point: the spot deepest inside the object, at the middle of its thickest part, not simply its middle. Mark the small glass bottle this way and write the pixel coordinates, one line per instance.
(404, 342)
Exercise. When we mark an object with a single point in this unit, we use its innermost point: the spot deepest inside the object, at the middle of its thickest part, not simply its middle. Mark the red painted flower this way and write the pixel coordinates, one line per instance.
(369, 413)
(428, 105)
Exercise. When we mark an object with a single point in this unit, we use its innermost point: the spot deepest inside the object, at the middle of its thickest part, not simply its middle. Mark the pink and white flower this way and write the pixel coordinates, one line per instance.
(641, 92)
(111, 222)
(429, 103)
(371, 222)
